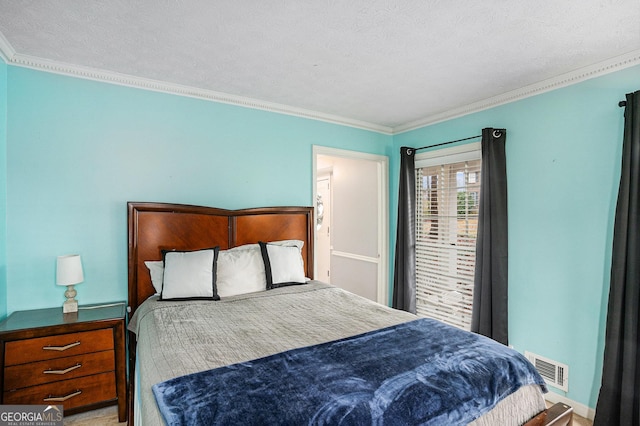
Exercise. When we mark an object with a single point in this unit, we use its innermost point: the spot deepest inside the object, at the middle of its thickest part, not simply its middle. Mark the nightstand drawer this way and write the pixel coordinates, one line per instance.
(37, 373)
(70, 393)
(57, 346)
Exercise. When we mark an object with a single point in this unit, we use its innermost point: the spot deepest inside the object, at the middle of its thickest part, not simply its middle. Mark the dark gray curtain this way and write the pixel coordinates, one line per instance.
(619, 399)
(489, 315)
(404, 278)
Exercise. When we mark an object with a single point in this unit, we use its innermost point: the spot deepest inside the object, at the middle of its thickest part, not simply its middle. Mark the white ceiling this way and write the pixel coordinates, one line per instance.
(385, 65)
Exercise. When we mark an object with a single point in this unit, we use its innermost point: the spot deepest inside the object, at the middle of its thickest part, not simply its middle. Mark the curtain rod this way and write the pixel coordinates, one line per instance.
(622, 103)
(447, 143)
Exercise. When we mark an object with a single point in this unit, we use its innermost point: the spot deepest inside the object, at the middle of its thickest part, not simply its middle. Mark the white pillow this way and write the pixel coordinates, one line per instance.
(189, 275)
(283, 264)
(288, 243)
(156, 270)
(240, 270)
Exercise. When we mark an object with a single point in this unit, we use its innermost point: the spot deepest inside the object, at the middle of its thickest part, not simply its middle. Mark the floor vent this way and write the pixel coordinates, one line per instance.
(554, 373)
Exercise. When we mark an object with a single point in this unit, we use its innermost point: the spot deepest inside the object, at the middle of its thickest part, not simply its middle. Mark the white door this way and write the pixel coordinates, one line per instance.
(358, 236)
(323, 229)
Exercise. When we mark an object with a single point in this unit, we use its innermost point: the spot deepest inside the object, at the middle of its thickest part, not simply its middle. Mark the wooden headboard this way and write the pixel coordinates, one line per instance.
(154, 227)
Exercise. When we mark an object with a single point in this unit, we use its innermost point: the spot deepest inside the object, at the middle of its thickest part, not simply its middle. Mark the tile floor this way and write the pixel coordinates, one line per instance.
(102, 417)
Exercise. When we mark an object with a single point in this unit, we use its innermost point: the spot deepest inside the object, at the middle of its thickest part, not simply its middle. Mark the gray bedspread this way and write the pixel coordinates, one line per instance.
(178, 338)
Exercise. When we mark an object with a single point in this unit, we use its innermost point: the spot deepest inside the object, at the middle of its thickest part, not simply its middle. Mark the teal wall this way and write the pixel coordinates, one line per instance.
(3, 189)
(563, 166)
(78, 150)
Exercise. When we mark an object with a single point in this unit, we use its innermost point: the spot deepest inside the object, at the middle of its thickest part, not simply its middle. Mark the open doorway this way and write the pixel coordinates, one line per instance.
(351, 247)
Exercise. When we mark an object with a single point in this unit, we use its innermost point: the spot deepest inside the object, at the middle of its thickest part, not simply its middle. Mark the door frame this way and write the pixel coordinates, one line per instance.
(383, 208)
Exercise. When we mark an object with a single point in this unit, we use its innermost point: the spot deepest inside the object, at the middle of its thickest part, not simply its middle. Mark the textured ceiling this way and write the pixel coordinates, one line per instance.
(388, 63)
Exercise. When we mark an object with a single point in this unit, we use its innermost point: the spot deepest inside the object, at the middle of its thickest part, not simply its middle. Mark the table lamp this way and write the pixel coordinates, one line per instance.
(69, 273)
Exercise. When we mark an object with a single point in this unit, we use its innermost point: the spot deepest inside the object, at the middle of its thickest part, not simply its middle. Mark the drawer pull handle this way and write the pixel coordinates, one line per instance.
(61, 348)
(62, 398)
(65, 371)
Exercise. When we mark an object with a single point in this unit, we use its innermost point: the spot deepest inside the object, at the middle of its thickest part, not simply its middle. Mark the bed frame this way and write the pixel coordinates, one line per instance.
(153, 227)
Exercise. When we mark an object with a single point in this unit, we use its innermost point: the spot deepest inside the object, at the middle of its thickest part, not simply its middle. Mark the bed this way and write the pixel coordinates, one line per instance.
(243, 335)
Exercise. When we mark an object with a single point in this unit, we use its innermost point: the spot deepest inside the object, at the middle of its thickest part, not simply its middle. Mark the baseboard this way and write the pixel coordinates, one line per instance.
(579, 409)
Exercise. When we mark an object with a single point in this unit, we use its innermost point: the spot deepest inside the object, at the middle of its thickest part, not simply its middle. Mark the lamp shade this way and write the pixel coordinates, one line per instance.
(69, 270)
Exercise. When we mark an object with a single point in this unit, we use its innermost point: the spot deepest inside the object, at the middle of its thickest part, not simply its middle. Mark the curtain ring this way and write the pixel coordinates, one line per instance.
(497, 133)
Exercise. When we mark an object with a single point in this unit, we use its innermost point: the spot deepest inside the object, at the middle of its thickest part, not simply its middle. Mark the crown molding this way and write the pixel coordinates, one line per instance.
(7, 52)
(88, 73)
(614, 64)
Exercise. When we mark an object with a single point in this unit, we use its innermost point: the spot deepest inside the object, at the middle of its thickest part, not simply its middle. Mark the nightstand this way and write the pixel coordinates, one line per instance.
(76, 360)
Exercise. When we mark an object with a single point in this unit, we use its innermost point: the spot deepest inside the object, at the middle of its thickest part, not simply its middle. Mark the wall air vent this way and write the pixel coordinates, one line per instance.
(554, 373)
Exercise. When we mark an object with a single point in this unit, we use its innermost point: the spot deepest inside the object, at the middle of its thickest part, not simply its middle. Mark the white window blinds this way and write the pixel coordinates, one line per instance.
(447, 203)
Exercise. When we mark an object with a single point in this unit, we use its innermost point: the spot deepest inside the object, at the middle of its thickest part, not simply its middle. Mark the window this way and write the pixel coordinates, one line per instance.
(447, 201)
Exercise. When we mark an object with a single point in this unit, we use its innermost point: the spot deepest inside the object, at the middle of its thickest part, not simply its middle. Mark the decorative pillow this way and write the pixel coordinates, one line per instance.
(283, 264)
(240, 270)
(190, 275)
(156, 270)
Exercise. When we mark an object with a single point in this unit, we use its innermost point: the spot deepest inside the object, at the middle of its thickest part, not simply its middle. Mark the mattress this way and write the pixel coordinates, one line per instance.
(179, 338)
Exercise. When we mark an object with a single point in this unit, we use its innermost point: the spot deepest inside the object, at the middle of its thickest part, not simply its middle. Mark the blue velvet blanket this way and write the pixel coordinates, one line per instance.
(420, 372)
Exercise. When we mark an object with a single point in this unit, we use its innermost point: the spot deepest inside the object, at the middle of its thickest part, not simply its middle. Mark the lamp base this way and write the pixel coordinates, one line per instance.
(71, 304)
